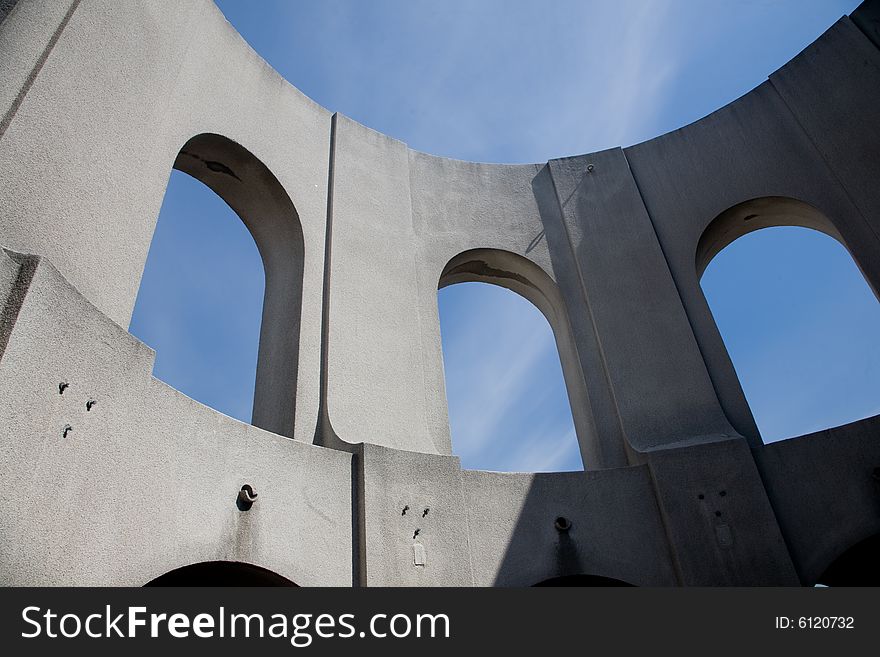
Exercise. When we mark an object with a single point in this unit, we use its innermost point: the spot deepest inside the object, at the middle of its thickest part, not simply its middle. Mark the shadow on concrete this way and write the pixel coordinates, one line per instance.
(857, 566)
(614, 535)
(596, 528)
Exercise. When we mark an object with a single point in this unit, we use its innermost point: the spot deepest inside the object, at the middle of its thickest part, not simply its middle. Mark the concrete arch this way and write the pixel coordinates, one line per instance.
(260, 201)
(731, 224)
(755, 214)
(582, 580)
(519, 274)
(617, 230)
(769, 212)
(856, 566)
(220, 573)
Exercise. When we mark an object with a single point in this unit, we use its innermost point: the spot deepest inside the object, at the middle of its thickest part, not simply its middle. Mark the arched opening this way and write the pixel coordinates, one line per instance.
(516, 395)
(220, 573)
(258, 199)
(858, 566)
(797, 317)
(201, 298)
(582, 580)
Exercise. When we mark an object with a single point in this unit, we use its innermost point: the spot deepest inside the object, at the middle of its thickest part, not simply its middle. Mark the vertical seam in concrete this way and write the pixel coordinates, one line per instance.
(466, 515)
(583, 290)
(27, 265)
(324, 434)
(323, 429)
(35, 71)
(763, 476)
(358, 518)
(423, 354)
(673, 555)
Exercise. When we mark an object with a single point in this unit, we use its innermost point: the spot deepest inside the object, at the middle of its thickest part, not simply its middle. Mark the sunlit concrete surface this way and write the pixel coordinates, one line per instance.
(115, 478)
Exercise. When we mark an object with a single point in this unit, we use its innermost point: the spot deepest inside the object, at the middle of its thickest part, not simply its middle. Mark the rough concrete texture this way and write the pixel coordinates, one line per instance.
(147, 476)
(414, 523)
(519, 536)
(120, 479)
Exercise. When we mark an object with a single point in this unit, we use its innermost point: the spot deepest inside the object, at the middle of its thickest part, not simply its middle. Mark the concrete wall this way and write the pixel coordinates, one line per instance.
(146, 480)
(357, 232)
(88, 151)
(615, 531)
(825, 490)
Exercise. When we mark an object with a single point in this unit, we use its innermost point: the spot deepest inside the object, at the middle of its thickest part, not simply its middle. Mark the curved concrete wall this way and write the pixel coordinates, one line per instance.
(610, 245)
(88, 151)
(145, 480)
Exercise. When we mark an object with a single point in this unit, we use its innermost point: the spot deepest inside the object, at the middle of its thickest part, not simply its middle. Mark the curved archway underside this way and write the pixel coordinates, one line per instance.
(522, 276)
(859, 565)
(220, 573)
(265, 208)
(797, 315)
(582, 580)
(356, 232)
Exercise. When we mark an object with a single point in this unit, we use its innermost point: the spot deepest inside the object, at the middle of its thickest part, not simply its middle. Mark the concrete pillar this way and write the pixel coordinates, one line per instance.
(652, 366)
(719, 521)
(413, 519)
(376, 381)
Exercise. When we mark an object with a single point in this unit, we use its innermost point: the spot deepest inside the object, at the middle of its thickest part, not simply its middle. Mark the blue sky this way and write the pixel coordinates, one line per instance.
(512, 81)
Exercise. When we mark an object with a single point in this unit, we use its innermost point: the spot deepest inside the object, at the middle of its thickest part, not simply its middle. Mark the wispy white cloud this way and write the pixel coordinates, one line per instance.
(496, 80)
(508, 406)
(496, 384)
(643, 67)
(545, 453)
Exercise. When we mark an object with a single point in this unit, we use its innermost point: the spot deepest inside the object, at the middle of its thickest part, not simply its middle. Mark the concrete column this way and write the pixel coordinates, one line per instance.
(375, 368)
(721, 526)
(752, 149)
(413, 520)
(654, 370)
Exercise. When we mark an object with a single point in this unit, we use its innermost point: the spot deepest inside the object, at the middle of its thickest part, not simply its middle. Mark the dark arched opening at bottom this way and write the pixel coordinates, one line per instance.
(858, 566)
(582, 580)
(220, 573)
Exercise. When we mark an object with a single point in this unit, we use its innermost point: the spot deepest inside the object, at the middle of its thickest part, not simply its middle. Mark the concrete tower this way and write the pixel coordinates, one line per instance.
(115, 478)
